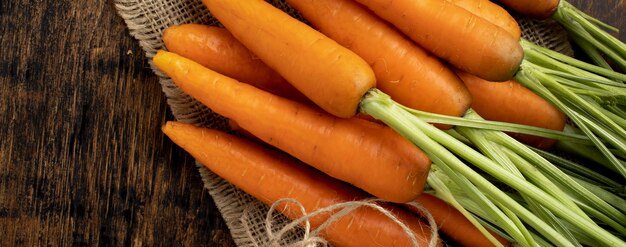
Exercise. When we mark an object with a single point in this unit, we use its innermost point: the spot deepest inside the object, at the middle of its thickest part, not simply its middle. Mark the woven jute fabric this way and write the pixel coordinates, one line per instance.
(146, 21)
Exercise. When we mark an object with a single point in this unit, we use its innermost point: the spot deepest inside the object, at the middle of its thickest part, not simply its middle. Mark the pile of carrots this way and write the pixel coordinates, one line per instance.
(304, 90)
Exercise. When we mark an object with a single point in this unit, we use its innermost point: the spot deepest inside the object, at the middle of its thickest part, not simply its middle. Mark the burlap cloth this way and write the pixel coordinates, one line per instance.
(147, 19)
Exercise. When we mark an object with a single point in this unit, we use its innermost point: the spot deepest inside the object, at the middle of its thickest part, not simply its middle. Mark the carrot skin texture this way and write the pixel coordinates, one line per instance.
(410, 75)
(383, 163)
(217, 49)
(511, 102)
(332, 76)
(493, 13)
(452, 223)
(270, 176)
(538, 9)
(467, 41)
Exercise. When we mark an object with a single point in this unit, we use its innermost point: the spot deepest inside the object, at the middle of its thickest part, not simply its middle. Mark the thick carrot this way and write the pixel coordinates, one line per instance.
(452, 223)
(511, 102)
(269, 176)
(217, 49)
(493, 13)
(368, 155)
(407, 73)
(330, 75)
(454, 34)
(539, 9)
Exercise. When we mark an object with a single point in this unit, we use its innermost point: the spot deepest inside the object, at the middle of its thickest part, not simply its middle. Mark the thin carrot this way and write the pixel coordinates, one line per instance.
(336, 85)
(539, 9)
(493, 13)
(269, 176)
(410, 75)
(511, 102)
(370, 156)
(216, 49)
(454, 34)
(452, 223)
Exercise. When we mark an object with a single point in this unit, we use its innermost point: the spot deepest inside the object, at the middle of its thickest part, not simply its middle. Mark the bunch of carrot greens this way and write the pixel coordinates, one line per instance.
(586, 31)
(547, 201)
(527, 195)
(592, 97)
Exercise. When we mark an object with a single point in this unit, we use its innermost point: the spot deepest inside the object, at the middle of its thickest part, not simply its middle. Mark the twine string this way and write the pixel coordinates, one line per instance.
(313, 238)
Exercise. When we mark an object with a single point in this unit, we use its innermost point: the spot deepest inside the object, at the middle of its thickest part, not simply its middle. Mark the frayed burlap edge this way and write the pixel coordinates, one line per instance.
(146, 21)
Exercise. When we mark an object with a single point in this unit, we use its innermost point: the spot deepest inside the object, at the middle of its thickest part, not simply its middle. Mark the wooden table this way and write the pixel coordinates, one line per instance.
(82, 158)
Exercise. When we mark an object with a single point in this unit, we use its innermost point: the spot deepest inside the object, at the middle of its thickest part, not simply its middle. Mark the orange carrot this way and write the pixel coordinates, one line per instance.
(493, 13)
(454, 34)
(511, 102)
(216, 49)
(332, 76)
(407, 73)
(452, 223)
(539, 9)
(270, 176)
(368, 155)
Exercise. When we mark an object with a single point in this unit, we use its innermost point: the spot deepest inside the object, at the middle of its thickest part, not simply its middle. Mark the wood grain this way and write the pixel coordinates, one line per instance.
(82, 158)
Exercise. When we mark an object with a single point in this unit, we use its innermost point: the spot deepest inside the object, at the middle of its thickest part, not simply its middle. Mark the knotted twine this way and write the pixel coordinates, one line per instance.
(312, 238)
(252, 223)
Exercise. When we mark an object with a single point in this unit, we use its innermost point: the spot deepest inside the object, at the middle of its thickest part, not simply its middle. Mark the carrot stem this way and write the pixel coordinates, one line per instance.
(550, 59)
(590, 153)
(512, 159)
(597, 126)
(444, 193)
(536, 207)
(496, 153)
(419, 132)
(437, 143)
(578, 171)
(508, 221)
(590, 30)
(593, 20)
(557, 176)
(618, 112)
(592, 52)
(615, 200)
(500, 126)
(519, 164)
(478, 137)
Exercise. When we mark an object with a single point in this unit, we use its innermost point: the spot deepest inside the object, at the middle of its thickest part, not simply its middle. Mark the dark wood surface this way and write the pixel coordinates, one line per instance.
(82, 158)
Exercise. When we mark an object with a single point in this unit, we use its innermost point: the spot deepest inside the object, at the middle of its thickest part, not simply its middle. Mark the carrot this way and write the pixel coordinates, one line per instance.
(511, 102)
(454, 34)
(539, 9)
(269, 176)
(332, 76)
(368, 155)
(216, 49)
(493, 13)
(410, 75)
(452, 223)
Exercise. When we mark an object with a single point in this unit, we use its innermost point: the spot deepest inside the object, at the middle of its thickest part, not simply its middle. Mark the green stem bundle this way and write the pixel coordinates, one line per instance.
(589, 33)
(584, 93)
(526, 172)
